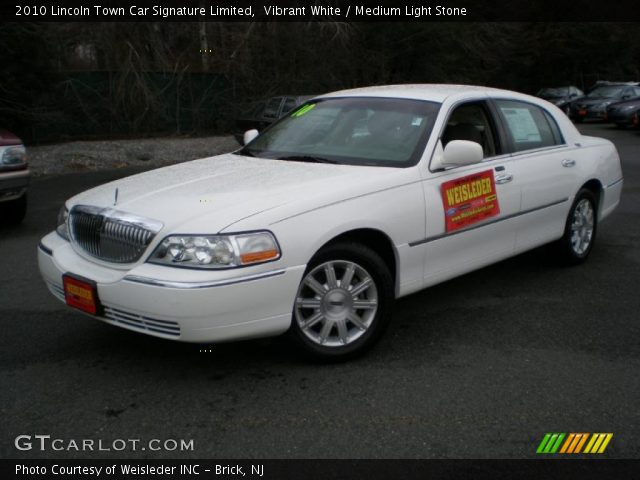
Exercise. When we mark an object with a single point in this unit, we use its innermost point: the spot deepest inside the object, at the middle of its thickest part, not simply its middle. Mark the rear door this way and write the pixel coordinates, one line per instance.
(545, 168)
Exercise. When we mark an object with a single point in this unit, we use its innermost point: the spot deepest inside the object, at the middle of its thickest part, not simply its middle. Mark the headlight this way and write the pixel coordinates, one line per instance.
(14, 157)
(216, 251)
(62, 228)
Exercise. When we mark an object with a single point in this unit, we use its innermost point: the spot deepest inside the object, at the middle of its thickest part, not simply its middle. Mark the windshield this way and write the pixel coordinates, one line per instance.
(606, 92)
(355, 131)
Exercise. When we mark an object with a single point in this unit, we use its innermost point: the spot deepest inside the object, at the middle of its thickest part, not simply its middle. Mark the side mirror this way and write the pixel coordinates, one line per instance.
(461, 152)
(249, 135)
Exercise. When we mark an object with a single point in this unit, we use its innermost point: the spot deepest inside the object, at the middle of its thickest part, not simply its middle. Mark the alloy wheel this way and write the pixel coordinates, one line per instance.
(336, 303)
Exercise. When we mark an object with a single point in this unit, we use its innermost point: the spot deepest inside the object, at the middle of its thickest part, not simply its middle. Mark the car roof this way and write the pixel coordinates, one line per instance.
(429, 92)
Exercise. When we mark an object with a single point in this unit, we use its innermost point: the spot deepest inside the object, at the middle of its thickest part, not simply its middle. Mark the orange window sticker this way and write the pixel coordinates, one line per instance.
(468, 200)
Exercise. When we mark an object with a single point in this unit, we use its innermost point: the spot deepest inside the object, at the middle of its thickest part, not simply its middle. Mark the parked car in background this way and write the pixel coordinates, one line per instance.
(14, 179)
(621, 113)
(636, 119)
(322, 221)
(561, 97)
(262, 114)
(603, 83)
(594, 104)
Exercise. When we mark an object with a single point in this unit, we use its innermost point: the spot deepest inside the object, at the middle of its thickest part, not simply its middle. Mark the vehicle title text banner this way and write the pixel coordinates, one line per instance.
(219, 469)
(319, 11)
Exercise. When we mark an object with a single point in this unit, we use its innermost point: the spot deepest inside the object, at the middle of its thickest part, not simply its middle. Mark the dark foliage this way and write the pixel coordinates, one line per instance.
(77, 80)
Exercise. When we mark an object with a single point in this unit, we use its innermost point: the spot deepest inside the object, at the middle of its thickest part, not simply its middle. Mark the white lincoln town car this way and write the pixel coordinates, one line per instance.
(321, 221)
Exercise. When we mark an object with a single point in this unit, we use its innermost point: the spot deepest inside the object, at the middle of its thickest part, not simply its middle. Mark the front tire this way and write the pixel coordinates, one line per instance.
(580, 229)
(343, 303)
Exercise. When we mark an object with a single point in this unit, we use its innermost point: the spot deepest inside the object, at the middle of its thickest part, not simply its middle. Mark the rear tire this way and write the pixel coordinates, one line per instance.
(13, 211)
(343, 303)
(580, 229)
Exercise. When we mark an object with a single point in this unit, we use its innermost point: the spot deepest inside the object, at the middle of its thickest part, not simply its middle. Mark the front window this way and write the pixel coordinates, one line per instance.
(355, 131)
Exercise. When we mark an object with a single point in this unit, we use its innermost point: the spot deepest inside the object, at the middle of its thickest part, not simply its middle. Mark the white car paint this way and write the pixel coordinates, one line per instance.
(306, 205)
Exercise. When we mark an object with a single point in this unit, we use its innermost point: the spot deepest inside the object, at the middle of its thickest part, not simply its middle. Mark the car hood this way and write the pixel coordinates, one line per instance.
(7, 138)
(213, 193)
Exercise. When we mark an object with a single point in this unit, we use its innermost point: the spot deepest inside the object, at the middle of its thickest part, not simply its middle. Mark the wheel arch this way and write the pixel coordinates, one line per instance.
(375, 239)
(595, 186)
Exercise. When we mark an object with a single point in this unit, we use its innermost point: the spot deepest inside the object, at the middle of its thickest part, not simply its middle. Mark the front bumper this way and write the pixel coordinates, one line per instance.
(13, 184)
(228, 305)
(620, 118)
(588, 113)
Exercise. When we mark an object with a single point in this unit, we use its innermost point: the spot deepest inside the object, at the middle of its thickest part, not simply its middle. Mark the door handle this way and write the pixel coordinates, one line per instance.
(568, 162)
(503, 178)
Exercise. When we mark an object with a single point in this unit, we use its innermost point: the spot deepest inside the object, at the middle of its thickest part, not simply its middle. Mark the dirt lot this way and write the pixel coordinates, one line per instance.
(87, 156)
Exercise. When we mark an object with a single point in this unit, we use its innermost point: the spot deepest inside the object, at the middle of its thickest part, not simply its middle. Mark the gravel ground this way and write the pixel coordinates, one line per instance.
(88, 156)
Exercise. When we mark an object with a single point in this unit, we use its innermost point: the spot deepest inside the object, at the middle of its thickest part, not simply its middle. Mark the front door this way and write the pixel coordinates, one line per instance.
(471, 210)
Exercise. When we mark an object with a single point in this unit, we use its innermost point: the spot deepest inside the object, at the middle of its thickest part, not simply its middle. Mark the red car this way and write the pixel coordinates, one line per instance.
(14, 179)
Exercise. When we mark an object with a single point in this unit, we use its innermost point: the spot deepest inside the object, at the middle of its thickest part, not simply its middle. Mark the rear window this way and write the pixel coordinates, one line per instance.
(529, 126)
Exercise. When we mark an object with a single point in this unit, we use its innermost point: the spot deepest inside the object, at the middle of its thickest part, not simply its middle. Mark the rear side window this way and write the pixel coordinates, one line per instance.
(530, 126)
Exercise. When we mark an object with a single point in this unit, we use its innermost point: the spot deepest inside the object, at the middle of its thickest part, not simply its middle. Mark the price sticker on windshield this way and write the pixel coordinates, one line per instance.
(468, 200)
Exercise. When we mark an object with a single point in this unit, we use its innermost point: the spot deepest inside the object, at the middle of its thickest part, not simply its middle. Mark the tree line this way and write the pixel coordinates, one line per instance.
(71, 80)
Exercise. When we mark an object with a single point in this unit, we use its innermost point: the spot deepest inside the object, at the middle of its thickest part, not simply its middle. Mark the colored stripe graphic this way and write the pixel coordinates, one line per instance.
(550, 443)
(553, 443)
(543, 443)
(574, 443)
(566, 445)
(581, 443)
(598, 442)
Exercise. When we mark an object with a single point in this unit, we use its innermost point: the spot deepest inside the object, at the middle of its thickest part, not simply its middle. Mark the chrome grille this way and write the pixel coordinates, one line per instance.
(57, 291)
(119, 317)
(142, 323)
(111, 235)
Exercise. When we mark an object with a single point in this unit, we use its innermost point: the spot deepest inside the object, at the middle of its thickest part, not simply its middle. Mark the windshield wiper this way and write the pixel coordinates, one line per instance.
(306, 158)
